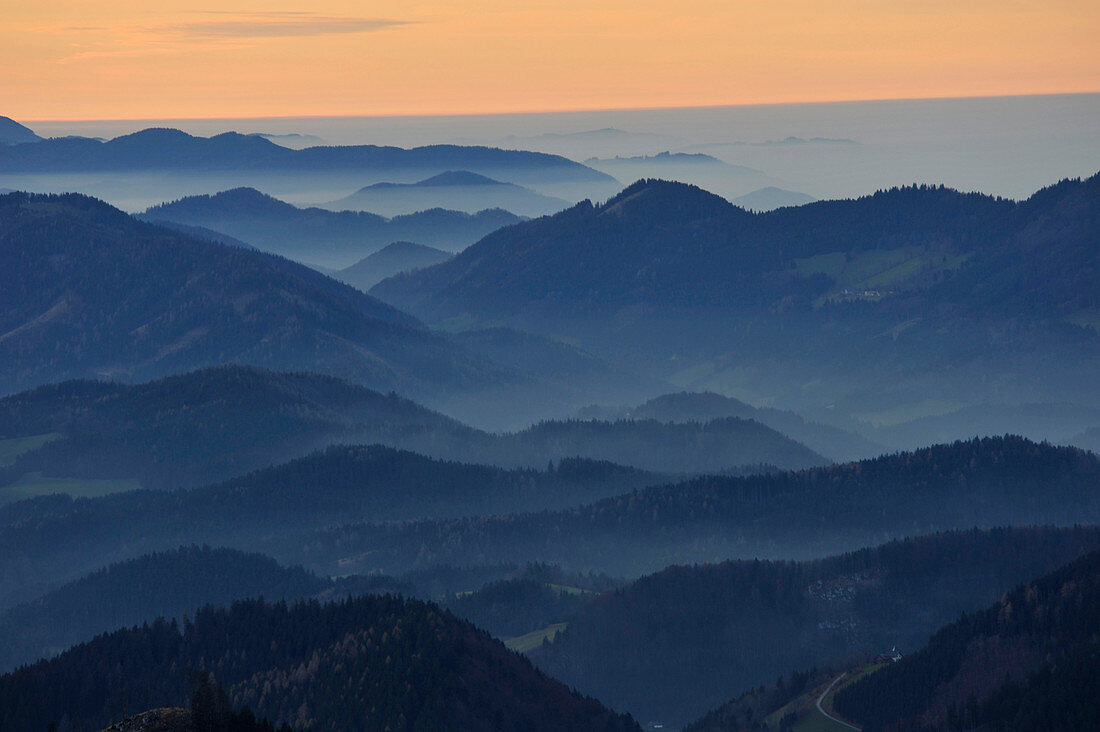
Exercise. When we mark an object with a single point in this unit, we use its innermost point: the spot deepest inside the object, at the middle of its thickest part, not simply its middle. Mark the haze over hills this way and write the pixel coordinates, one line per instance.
(318, 236)
(458, 190)
(401, 256)
(212, 424)
(173, 380)
(835, 443)
(94, 292)
(770, 197)
(813, 513)
(699, 169)
(54, 539)
(884, 304)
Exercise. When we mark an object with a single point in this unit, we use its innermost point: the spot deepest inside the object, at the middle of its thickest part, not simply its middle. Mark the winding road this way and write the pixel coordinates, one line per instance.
(822, 709)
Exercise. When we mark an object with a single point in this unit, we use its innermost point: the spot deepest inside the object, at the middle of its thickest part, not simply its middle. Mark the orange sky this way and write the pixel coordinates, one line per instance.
(79, 59)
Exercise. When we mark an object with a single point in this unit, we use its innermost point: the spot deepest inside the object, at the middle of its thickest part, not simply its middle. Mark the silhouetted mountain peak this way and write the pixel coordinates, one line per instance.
(654, 196)
(13, 133)
(460, 178)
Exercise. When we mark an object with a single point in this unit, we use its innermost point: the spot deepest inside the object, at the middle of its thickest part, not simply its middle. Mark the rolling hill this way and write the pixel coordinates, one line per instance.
(401, 256)
(92, 292)
(837, 444)
(459, 190)
(318, 236)
(199, 427)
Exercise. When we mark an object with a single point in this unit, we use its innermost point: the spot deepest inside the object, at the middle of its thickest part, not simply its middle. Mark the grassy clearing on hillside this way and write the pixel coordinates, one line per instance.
(530, 641)
(34, 484)
(13, 447)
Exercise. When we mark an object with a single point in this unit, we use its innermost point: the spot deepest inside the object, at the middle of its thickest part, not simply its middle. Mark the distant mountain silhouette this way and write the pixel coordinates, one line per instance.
(770, 198)
(458, 189)
(329, 238)
(698, 169)
(169, 149)
(401, 256)
(91, 291)
(837, 444)
(13, 133)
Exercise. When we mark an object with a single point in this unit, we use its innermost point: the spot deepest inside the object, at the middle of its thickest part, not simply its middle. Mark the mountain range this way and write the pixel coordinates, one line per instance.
(186, 430)
(169, 149)
(94, 292)
(847, 305)
(811, 513)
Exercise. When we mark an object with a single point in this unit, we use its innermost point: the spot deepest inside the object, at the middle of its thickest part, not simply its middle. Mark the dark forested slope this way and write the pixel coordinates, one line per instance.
(165, 584)
(674, 644)
(1031, 661)
(370, 663)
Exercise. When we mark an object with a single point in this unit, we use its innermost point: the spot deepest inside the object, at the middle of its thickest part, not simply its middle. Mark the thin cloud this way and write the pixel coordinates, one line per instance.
(275, 25)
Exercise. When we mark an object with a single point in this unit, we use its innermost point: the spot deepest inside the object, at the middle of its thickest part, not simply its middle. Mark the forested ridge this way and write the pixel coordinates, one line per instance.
(164, 584)
(674, 644)
(980, 482)
(369, 663)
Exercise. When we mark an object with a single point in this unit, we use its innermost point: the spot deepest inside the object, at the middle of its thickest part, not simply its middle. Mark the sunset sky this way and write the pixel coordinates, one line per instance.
(132, 60)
